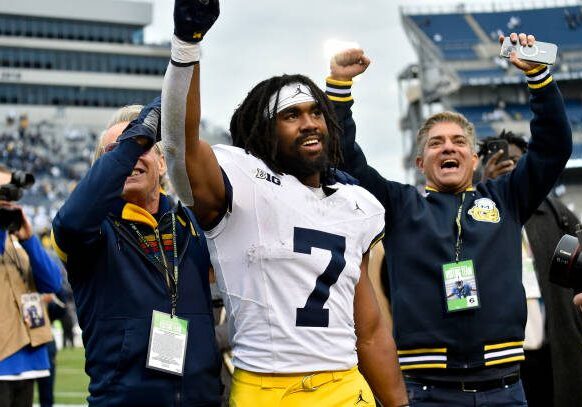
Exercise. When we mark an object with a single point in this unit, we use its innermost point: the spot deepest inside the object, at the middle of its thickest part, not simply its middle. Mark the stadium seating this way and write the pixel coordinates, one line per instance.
(455, 38)
(549, 24)
(478, 115)
(467, 76)
(38, 148)
(58, 158)
(450, 33)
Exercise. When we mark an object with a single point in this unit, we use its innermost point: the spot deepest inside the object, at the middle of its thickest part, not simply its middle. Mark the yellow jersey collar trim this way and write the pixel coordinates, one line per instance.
(134, 213)
(431, 189)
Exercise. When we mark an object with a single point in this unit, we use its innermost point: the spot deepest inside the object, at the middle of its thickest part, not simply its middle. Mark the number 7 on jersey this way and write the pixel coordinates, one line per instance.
(313, 314)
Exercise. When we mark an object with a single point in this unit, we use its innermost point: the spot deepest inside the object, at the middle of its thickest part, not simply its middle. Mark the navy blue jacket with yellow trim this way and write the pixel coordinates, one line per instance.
(116, 288)
(421, 235)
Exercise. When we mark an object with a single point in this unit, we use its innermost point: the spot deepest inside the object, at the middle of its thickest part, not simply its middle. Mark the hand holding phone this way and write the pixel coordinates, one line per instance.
(494, 163)
(493, 146)
(539, 52)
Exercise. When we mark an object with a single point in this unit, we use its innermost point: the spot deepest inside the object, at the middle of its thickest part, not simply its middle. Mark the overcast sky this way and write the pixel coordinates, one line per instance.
(256, 39)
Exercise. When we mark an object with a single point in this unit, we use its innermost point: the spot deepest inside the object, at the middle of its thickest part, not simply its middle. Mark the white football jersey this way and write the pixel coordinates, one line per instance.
(287, 262)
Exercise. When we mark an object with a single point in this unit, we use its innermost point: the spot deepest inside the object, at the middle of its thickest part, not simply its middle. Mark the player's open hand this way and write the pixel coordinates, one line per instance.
(347, 64)
(496, 167)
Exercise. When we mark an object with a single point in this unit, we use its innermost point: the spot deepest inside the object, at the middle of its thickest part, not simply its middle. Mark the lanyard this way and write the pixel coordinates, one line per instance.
(163, 261)
(459, 229)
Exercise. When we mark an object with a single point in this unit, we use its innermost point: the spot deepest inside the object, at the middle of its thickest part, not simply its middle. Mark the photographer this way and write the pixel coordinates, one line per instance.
(26, 270)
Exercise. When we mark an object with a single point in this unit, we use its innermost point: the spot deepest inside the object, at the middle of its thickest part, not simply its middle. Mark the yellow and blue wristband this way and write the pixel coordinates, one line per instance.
(538, 77)
(338, 91)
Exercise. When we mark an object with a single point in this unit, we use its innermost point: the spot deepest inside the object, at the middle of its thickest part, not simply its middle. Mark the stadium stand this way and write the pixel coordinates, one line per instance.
(451, 33)
(39, 148)
(63, 76)
(561, 25)
(459, 69)
(58, 157)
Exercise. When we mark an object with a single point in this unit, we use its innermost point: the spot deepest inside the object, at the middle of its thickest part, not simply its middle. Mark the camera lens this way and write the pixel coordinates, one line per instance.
(10, 192)
(22, 179)
(566, 266)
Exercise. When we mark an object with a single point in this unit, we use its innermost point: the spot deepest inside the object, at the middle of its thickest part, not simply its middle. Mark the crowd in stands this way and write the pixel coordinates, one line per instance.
(57, 158)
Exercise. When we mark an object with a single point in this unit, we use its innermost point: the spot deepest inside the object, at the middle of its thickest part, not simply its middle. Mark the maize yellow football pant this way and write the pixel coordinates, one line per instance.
(321, 389)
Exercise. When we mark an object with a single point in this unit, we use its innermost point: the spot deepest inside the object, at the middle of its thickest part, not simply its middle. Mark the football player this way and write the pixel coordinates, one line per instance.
(288, 243)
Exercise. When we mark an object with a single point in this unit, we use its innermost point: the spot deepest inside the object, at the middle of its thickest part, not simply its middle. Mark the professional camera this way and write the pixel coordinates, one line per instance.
(11, 218)
(566, 268)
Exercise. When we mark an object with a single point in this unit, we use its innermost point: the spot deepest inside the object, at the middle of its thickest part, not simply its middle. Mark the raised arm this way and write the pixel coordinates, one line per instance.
(192, 165)
(46, 273)
(550, 145)
(344, 66)
(78, 221)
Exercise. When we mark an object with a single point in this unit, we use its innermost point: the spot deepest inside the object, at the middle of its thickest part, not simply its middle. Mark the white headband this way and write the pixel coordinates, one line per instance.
(289, 95)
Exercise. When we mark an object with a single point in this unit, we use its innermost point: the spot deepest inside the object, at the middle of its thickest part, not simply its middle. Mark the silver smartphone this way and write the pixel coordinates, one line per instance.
(540, 52)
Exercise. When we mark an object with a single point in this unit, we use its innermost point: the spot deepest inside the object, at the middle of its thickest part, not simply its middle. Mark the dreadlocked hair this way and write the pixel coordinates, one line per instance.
(253, 125)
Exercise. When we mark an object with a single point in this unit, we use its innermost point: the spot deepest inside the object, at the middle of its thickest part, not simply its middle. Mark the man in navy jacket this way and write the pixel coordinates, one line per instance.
(459, 351)
(132, 258)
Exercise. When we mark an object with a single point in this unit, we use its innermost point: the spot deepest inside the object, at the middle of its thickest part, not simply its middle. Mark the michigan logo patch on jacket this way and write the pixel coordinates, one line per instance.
(485, 210)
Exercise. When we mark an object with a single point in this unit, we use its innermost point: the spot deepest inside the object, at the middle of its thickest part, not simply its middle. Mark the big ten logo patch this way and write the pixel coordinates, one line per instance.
(261, 174)
(485, 210)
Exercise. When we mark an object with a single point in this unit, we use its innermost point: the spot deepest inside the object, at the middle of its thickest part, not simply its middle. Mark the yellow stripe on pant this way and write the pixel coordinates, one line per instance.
(334, 388)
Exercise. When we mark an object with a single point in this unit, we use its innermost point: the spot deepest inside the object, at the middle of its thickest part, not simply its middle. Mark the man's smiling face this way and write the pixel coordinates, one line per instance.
(448, 159)
(303, 140)
(143, 181)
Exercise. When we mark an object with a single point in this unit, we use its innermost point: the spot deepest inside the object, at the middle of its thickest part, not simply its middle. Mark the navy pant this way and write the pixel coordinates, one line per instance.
(16, 393)
(430, 396)
(538, 379)
(46, 385)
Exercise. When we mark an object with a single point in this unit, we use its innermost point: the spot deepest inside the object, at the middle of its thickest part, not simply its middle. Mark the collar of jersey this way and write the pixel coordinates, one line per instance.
(431, 189)
(134, 213)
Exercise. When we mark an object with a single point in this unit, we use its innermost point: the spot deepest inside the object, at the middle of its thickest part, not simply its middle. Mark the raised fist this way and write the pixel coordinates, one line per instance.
(193, 18)
(347, 64)
(146, 127)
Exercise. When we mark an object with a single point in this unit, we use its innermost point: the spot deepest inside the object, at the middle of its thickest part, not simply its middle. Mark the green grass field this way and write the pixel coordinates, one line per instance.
(71, 382)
